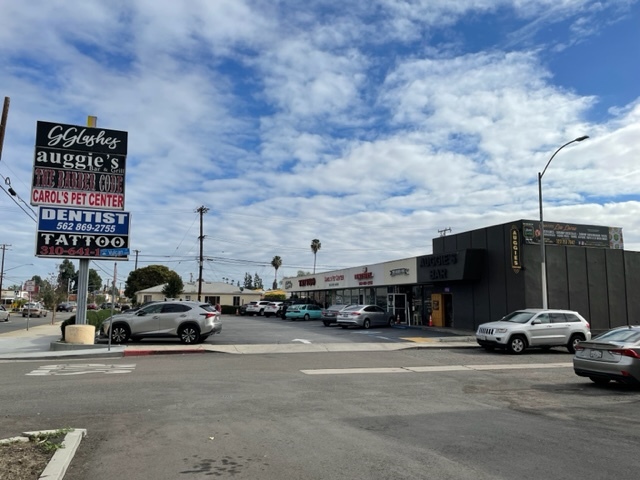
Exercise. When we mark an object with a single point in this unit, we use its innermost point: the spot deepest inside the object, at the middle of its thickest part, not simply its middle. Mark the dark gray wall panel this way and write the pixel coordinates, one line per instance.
(616, 288)
(463, 241)
(496, 252)
(578, 281)
(463, 315)
(632, 270)
(597, 286)
(532, 276)
(557, 288)
(481, 309)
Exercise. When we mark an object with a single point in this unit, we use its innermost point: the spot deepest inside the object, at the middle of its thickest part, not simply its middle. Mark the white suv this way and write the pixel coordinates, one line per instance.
(273, 308)
(532, 328)
(257, 308)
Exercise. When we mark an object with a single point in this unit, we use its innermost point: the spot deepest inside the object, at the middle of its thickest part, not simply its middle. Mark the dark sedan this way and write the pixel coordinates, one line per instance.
(65, 307)
(330, 314)
(613, 355)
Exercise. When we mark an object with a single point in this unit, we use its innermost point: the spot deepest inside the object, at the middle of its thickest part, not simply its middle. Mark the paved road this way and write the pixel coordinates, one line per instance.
(412, 414)
(18, 322)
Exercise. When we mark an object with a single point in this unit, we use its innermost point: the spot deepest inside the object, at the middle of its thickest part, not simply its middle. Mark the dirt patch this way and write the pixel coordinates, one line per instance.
(26, 460)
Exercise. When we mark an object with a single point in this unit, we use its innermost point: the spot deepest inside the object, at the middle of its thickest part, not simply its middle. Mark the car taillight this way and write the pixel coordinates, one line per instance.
(625, 352)
(209, 315)
(588, 326)
(579, 347)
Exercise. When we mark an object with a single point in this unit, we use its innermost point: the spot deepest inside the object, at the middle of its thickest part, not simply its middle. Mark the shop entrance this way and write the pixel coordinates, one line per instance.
(397, 304)
(442, 309)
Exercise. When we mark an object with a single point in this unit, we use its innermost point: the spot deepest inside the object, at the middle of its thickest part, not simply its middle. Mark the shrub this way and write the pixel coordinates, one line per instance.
(94, 317)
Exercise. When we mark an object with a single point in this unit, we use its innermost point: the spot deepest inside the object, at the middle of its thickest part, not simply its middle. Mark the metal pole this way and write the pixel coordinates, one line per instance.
(543, 257)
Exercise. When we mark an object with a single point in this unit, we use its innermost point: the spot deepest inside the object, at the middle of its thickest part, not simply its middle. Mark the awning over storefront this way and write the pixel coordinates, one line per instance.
(451, 266)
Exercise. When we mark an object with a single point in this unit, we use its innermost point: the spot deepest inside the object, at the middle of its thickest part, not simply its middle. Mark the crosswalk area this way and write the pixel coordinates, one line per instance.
(81, 369)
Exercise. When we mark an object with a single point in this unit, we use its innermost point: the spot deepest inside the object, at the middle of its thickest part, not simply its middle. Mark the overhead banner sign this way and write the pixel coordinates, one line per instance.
(573, 235)
(77, 233)
(79, 166)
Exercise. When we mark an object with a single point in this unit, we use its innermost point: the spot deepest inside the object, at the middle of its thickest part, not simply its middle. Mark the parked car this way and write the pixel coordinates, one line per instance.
(304, 312)
(613, 355)
(243, 308)
(330, 314)
(92, 306)
(124, 307)
(534, 328)
(364, 316)
(257, 308)
(4, 314)
(191, 322)
(34, 309)
(109, 306)
(273, 308)
(65, 307)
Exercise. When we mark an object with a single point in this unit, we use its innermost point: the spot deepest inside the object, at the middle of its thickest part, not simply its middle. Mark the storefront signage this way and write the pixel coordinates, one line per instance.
(75, 233)
(79, 166)
(288, 284)
(454, 266)
(334, 280)
(307, 282)
(569, 234)
(515, 249)
(365, 277)
(399, 271)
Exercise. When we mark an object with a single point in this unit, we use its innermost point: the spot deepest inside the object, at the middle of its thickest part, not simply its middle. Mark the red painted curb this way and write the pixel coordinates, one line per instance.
(139, 353)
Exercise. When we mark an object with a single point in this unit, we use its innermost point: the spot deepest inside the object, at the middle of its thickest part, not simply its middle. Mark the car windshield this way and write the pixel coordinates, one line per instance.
(624, 335)
(207, 307)
(518, 317)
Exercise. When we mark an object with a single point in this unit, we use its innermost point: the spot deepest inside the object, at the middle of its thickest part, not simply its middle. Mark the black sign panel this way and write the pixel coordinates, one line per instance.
(82, 245)
(453, 266)
(78, 166)
(81, 139)
(572, 234)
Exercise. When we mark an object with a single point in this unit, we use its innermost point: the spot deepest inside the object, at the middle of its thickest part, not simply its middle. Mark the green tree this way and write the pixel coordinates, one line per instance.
(145, 278)
(95, 280)
(248, 281)
(276, 263)
(52, 293)
(66, 274)
(257, 282)
(315, 246)
(302, 273)
(174, 286)
(37, 279)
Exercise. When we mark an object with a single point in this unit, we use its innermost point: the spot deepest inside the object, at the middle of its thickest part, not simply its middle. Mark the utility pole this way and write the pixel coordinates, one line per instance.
(4, 246)
(3, 122)
(202, 210)
(136, 265)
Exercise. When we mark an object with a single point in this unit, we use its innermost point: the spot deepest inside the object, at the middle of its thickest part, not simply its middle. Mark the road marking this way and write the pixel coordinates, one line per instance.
(433, 368)
(80, 369)
(302, 340)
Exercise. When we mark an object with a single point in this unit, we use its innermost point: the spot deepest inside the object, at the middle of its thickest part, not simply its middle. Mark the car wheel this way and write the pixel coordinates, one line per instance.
(599, 380)
(326, 324)
(366, 324)
(119, 334)
(517, 344)
(189, 334)
(392, 322)
(343, 326)
(306, 317)
(575, 339)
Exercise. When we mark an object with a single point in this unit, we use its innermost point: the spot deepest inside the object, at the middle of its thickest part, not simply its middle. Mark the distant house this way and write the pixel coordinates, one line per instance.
(211, 292)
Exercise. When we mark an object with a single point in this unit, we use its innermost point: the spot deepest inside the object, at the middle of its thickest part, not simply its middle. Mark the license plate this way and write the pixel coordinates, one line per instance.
(595, 354)
(481, 337)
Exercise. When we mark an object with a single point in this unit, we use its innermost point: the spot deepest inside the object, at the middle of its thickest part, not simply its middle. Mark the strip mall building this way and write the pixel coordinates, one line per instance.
(481, 275)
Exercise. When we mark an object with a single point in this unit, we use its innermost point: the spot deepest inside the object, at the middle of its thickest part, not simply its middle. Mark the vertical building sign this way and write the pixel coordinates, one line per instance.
(516, 265)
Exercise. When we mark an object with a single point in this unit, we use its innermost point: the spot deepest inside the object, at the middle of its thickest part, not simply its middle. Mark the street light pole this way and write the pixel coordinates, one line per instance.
(543, 265)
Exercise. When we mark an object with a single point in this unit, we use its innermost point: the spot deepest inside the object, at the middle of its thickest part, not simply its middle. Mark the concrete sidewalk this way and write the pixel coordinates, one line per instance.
(36, 344)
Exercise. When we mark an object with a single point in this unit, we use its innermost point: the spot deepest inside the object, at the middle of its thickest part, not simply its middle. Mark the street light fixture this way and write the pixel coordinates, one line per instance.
(545, 302)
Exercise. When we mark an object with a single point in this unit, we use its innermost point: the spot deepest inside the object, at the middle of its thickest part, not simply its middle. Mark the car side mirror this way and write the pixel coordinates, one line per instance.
(536, 322)
(141, 313)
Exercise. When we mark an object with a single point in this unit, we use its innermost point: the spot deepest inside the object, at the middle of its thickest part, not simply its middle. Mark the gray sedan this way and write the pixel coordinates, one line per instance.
(613, 355)
(364, 316)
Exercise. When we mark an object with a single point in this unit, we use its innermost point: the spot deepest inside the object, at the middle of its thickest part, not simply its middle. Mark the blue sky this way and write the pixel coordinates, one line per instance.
(368, 125)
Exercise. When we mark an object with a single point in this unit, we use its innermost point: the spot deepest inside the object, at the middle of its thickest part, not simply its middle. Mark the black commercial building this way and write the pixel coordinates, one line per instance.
(481, 275)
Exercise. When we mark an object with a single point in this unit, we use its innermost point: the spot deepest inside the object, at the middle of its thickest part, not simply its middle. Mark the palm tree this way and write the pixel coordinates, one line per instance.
(276, 263)
(315, 246)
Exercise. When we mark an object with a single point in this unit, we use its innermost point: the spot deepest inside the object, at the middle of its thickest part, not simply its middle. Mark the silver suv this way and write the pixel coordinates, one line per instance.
(532, 328)
(192, 322)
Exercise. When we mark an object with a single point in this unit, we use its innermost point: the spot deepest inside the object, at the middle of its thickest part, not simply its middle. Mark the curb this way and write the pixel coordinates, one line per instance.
(61, 459)
(140, 353)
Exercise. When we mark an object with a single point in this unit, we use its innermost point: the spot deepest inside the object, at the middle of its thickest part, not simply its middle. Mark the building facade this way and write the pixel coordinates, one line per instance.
(481, 275)
(211, 292)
